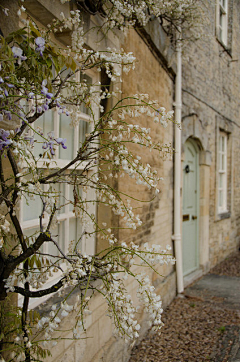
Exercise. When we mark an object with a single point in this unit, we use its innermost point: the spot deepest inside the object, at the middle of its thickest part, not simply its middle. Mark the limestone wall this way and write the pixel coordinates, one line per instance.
(211, 88)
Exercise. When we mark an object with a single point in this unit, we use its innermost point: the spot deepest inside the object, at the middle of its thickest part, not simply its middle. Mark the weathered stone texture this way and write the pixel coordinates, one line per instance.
(211, 88)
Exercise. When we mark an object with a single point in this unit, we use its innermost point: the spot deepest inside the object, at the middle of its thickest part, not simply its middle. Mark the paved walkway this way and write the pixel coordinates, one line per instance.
(225, 291)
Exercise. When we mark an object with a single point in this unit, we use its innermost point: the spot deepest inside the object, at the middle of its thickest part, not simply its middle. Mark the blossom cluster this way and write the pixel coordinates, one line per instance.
(4, 139)
(124, 14)
(121, 308)
(151, 301)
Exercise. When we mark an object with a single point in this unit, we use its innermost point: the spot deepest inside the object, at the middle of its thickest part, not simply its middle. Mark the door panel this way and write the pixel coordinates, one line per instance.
(190, 208)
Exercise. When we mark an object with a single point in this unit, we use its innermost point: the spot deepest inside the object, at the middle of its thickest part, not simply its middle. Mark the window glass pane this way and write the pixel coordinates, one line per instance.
(223, 162)
(220, 161)
(32, 208)
(75, 231)
(52, 250)
(72, 229)
(222, 176)
(223, 144)
(61, 237)
(221, 32)
(31, 233)
(220, 197)
(71, 196)
(66, 131)
(59, 194)
(38, 139)
(58, 235)
(84, 128)
(221, 180)
(62, 198)
(79, 229)
(88, 81)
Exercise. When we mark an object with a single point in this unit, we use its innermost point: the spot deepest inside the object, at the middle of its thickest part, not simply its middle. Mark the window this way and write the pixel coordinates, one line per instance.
(222, 173)
(222, 20)
(69, 226)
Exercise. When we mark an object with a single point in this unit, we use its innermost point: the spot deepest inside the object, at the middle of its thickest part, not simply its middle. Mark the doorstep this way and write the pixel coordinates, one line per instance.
(190, 278)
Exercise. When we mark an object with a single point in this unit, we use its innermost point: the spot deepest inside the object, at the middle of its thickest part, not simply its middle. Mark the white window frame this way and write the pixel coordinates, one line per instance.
(222, 173)
(87, 246)
(222, 20)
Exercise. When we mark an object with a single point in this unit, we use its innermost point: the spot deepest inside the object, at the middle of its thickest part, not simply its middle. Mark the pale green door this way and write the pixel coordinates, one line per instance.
(190, 208)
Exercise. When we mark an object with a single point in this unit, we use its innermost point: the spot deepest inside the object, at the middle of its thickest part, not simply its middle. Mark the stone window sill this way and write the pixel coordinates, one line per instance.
(226, 48)
(223, 215)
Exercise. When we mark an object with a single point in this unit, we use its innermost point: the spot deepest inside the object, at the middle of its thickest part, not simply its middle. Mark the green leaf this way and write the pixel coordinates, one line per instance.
(34, 30)
(33, 61)
(31, 262)
(49, 62)
(38, 263)
(73, 65)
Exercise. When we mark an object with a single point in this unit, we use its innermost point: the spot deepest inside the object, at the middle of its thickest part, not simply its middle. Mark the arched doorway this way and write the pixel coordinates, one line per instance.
(190, 225)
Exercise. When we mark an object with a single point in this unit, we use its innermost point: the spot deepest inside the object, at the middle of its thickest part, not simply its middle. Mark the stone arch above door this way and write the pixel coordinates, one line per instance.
(192, 127)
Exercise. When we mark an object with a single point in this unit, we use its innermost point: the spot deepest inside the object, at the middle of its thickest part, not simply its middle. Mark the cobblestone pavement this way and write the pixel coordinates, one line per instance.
(203, 324)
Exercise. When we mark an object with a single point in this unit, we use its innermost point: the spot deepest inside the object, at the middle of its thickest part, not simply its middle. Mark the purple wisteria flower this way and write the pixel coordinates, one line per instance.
(18, 53)
(8, 114)
(44, 90)
(61, 141)
(30, 95)
(4, 141)
(30, 139)
(61, 109)
(50, 144)
(45, 107)
(3, 90)
(40, 42)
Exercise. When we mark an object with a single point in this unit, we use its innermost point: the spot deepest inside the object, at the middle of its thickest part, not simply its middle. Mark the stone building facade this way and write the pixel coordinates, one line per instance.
(210, 125)
(210, 136)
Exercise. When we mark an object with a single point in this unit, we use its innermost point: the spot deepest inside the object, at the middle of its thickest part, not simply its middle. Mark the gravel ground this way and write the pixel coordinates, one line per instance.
(229, 267)
(195, 330)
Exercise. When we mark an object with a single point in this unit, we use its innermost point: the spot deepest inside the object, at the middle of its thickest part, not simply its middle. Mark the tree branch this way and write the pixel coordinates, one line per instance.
(39, 293)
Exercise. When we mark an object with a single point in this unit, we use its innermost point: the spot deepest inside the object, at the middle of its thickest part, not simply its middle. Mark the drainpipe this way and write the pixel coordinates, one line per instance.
(177, 172)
